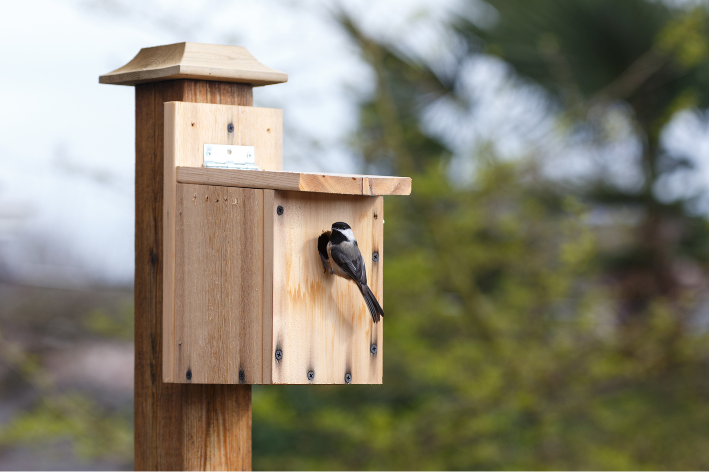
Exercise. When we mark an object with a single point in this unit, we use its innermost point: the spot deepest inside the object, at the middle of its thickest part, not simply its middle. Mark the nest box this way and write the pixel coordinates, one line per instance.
(245, 297)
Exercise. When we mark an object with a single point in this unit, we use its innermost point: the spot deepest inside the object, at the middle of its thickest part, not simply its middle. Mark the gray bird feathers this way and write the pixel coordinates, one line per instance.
(340, 255)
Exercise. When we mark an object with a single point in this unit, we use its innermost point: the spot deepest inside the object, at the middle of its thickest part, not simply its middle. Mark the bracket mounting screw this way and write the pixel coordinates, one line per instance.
(279, 354)
(189, 375)
(279, 210)
(311, 375)
(242, 376)
(348, 378)
(373, 348)
(230, 128)
(375, 257)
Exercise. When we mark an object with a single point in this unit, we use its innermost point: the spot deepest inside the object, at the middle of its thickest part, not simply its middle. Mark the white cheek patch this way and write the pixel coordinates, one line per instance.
(348, 234)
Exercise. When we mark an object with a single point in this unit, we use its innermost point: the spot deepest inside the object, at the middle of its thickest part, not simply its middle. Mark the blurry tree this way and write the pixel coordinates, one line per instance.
(594, 57)
(514, 338)
(98, 430)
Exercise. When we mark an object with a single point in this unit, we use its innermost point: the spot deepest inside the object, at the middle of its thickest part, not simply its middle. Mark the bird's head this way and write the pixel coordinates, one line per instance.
(344, 230)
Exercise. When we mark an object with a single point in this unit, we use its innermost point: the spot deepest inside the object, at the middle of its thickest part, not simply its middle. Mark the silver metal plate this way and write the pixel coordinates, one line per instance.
(226, 156)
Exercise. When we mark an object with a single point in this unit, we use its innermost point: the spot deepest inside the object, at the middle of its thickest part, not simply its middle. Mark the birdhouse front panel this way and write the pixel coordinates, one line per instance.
(321, 324)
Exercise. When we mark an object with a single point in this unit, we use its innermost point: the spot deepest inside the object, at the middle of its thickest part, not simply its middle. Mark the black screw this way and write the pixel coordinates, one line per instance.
(348, 378)
(311, 375)
(279, 354)
(375, 257)
(230, 128)
(373, 348)
(279, 210)
(189, 375)
(242, 376)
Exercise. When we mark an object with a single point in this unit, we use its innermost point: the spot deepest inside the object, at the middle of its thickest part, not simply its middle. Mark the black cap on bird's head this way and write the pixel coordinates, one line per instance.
(341, 226)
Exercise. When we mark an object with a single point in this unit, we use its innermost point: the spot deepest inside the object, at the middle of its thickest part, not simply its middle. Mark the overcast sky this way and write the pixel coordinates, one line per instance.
(67, 143)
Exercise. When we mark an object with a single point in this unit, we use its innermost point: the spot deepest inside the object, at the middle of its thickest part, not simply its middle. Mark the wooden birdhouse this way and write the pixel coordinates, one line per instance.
(246, 298)
(229, 286)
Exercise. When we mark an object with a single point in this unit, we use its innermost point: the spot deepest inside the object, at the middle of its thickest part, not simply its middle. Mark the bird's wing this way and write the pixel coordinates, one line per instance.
(350, 260)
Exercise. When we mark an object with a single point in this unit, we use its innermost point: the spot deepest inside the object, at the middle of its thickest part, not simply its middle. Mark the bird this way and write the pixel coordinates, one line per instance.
(340, 256)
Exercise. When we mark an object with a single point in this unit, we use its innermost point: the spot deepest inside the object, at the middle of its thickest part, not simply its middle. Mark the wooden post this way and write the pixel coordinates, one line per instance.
(179, 426)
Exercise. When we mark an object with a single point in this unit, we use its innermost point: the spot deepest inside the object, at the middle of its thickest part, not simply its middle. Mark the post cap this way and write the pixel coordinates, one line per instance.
(194, 61)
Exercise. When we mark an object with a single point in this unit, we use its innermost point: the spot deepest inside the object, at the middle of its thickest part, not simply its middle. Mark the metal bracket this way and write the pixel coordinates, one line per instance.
(227, 156)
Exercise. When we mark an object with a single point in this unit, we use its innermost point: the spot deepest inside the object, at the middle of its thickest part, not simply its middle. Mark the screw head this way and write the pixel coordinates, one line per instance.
(230, 128)
(279, 354)
(189, 375)
(373, 348)
(348, 378)
(375, 257)
(279, 210)
(311, 375)
(242, 376)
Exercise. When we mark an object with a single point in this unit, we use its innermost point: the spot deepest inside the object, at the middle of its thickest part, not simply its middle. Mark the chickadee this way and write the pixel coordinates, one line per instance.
(340, 255)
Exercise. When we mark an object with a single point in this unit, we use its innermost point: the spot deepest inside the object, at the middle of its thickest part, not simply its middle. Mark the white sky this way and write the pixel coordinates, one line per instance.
(67, 143)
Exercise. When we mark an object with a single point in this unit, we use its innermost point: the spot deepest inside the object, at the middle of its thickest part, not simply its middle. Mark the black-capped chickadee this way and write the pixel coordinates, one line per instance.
(340, 255)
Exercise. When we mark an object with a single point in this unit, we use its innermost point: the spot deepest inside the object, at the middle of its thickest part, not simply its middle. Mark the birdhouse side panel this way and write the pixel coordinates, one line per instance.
(218, 309)
(322, 330)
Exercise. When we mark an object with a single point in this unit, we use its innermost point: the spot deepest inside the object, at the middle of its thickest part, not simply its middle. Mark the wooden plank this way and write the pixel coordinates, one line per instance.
(296, 181)
(320, 321)
(169, 226)
(194, 61)
(197, 124)
(219, 277)
(166, 414)
(245, 254)
(367, 186)
(330, 183)
(268, 244)
(239, 178)
(217, 439)
(375, 280)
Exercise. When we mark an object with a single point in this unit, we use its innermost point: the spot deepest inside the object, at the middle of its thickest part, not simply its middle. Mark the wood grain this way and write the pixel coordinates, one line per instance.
(218, 286)
(194, 61)
(188, 126)
(174, 423)
(214, 434)
(267, 349)
(192, 125)
(296, 181)
(249, 281)
(320, 322)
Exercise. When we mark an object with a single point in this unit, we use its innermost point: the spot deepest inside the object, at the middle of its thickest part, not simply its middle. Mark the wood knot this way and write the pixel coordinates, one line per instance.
(153, 257)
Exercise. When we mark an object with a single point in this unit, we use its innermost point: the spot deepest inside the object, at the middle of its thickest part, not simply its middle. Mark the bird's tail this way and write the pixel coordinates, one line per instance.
(374, 308)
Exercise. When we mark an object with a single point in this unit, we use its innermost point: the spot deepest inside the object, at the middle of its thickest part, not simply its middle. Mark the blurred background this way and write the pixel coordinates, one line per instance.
(546, 281)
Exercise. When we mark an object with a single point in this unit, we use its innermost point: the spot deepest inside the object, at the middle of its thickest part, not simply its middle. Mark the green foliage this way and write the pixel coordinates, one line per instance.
(499, 352)
(93, 432)
(519, 335)
(100, 322)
